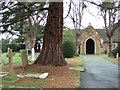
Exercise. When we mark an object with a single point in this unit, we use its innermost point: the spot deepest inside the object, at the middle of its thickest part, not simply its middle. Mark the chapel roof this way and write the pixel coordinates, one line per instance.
(102, 33)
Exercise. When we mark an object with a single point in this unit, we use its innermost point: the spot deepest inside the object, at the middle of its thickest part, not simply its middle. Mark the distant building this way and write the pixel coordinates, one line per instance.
(95, 41)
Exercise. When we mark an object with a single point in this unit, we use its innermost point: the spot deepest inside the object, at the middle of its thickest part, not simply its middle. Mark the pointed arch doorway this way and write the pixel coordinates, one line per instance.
(90, 46)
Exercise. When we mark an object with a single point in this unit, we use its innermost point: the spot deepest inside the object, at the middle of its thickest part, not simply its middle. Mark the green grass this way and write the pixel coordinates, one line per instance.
(16, 59)
(10, 78)
(78, 68)
(77, 59)
(34, 84)
(110, 59)
(11, 83)
(14, 87)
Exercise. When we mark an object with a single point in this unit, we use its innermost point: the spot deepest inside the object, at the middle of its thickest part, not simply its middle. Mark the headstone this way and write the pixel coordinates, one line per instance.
(10, 55)
(24, 59)
(117, 55)
(43, 76)
(33, 54)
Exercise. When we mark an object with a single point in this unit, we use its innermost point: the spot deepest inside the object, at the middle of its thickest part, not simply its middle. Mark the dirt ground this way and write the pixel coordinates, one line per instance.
(59, 77)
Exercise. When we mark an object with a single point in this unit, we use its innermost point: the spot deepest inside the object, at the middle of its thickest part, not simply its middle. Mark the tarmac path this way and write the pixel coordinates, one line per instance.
(99, 73)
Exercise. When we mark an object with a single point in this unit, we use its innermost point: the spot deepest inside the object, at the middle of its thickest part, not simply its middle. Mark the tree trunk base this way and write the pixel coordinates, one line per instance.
(47, 57)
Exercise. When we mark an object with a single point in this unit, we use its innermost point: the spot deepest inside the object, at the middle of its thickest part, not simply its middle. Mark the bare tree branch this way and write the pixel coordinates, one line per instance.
(68, 10)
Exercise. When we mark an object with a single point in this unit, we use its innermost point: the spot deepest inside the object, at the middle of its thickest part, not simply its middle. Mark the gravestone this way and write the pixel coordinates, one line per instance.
(24, 59)
(10, 55)
(33, 54)
(117, 56)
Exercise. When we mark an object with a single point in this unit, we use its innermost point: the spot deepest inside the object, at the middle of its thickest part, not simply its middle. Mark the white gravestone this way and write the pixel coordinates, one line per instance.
(117, 55)
(33, 54)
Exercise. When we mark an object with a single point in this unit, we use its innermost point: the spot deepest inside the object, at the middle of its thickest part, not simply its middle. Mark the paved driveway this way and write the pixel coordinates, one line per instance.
(99, 73)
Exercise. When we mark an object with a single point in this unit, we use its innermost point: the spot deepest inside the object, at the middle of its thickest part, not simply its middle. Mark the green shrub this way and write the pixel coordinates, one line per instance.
(68, 49)
(69, 35)
(14, 47)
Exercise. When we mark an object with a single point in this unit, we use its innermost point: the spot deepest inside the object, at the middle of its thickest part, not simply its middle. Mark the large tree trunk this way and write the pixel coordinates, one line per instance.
(51, 53)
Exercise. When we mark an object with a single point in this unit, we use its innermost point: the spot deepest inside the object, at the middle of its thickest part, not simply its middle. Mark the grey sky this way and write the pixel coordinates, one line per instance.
(91, 15)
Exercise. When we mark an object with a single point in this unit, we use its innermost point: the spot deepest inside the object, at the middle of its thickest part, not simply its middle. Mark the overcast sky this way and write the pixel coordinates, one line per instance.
(91, 15)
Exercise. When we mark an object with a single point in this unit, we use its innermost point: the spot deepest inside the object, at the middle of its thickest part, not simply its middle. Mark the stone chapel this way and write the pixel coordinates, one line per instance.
(95, 41)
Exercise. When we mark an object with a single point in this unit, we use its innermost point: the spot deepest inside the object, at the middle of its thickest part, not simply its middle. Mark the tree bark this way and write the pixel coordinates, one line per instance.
(51, 53)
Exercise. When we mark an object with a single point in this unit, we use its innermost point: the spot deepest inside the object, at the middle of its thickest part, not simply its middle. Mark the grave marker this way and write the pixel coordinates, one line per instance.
(10, 55)
(24, 59)
(33, 54)
(117, 56)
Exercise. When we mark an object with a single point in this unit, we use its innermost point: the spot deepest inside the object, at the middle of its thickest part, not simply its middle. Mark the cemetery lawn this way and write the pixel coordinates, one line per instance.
(16, 58)
(59, 77)
(112, 60)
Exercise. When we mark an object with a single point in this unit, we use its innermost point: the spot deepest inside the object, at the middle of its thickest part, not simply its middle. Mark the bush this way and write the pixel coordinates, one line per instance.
(68, 49)
(14, 47)
(69, 35)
